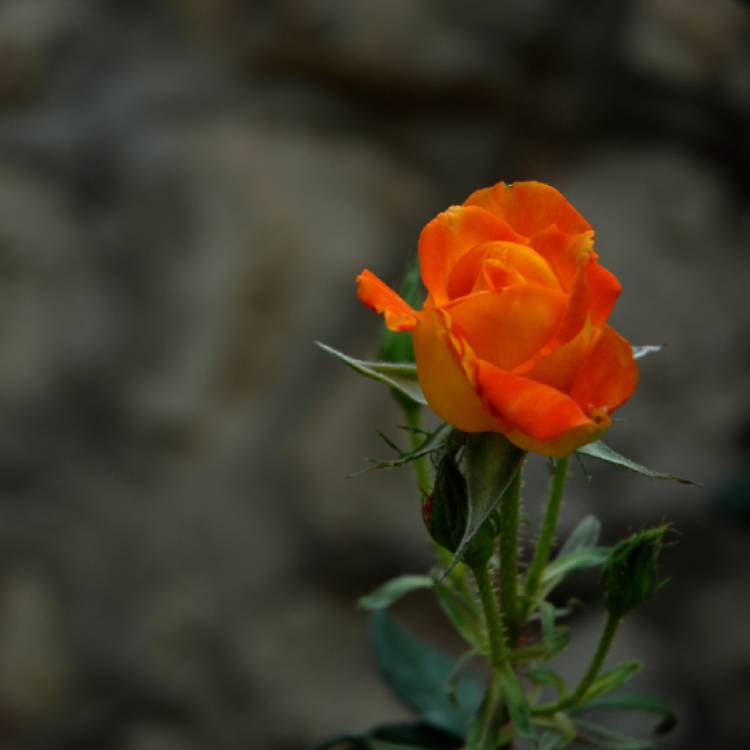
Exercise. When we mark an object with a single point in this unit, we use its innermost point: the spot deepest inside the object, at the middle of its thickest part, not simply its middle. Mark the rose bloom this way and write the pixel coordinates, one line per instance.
(513, 335)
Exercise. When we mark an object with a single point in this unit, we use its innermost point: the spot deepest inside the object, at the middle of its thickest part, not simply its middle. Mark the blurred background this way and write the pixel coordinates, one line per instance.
(187, 190)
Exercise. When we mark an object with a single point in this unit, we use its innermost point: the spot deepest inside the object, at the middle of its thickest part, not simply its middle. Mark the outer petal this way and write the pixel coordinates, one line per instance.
(559, 366)
(529, 207)
(508, 326)
(451, 234)
(564, 252)
(608, 376)
(604, 289)
(378, 296)
(445, 380)
(538, 417)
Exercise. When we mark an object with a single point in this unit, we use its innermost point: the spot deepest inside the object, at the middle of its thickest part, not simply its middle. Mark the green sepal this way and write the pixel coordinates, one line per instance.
(419, 674)
(447, 514)
(591, 735)
(433, 442)
(391, 591)
(634, 702)
(402, 377)
(612, 679)
(603, 452)
(630, 575)
(491, 463)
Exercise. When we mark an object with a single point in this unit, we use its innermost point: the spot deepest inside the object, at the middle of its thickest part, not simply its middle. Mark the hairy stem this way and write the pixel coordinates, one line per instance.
(492, 615)
(546, 535)
(606, 638)
(509, 518)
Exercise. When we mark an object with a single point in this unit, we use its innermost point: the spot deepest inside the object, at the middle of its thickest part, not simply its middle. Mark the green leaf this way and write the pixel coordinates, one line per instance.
(547, 676)
(399, 376)
(605, 739)
(564, 565)
(515, 700)
(487, 722)
(418, 673)
(643, 351)
(435, 441)
(492, 463)
(392, 590)
(562, 734)
(610, 680)
(584, 536)
(603, 452)
(462, 611)
(554, 639)
(634, 702)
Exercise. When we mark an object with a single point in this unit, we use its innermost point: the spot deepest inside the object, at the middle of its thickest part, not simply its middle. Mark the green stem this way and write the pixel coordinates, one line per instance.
(492, 615)
(546, 535)
(509, 518)
(597, 661)
(421, 466)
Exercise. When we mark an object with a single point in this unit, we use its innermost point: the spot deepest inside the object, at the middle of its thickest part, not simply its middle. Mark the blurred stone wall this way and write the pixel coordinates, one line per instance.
(187, 190)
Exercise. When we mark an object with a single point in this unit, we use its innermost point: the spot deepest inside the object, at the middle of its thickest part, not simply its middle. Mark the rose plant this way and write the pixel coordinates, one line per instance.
(510, 347)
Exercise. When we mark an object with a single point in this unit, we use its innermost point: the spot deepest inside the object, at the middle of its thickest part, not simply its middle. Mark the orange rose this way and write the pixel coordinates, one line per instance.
(512, 337)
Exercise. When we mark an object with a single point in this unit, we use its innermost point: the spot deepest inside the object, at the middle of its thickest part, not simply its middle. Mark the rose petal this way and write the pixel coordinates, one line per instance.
(444, 379)
(508, 326)
(450, 235)
(558, 366)
(529, 207)
(604, 289)
(608, 376)
(502, 260)
(378, 296)
(564, 252)
(534, 412)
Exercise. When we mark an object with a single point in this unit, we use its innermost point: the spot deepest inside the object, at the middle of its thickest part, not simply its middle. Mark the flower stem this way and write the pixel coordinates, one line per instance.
(546, 535)
(606, 638)
(492, 615)
(421, 466)
(509, 517)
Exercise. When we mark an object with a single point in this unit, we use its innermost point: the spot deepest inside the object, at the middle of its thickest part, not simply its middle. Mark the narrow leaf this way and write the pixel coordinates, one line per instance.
(487, 722)
(605, 739)
(433, 442)
(563, 565)
(643, 351)
(584, 536)
(515, 699)
(418, 673)
(547, 676)
(603, 452)
(554, 639)
(612, 679)
(392, 590)
(492, 463)
(634, 702)
(400, 376)
(462, 612)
